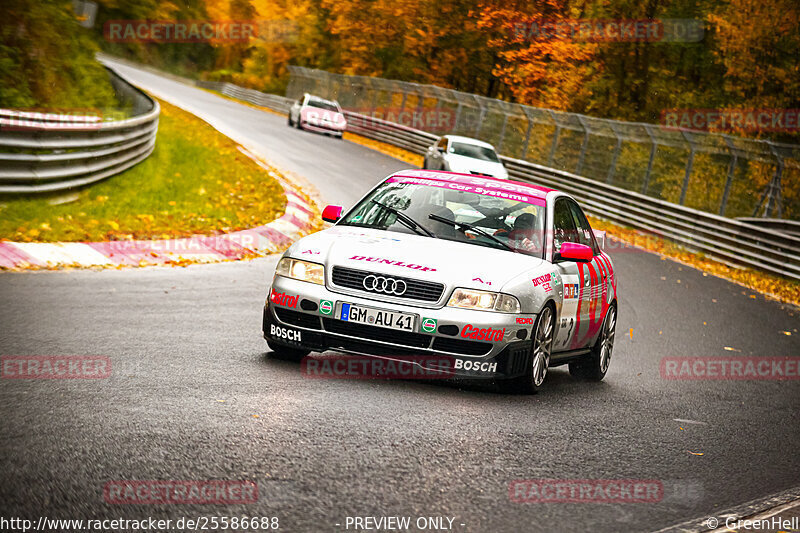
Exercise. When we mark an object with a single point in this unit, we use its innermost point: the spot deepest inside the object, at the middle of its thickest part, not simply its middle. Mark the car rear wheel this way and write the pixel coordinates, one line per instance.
(539, 357)
(286, 353)
(595, 365)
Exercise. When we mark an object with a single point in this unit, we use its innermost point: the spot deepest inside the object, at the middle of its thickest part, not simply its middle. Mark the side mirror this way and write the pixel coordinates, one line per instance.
(332, 213)
(440, 149)
(574, 252)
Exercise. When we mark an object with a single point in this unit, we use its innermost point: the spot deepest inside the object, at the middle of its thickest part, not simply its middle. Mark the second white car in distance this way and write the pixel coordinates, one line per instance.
(317, 114)
(465, 155)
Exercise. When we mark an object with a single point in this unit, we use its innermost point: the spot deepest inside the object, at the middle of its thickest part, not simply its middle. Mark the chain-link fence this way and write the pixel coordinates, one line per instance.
(717, 173)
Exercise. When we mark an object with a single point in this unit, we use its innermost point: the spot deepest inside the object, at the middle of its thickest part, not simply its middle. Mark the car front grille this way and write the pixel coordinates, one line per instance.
(405, 338)
(425, 291)
(294, 318)
(461, 346)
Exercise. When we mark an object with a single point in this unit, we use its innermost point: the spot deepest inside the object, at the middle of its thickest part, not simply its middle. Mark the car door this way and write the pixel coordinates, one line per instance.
(571, 277)
(595, 276)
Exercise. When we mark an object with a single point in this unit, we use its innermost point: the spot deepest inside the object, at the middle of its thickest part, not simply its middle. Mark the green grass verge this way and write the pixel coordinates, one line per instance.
(196, 181)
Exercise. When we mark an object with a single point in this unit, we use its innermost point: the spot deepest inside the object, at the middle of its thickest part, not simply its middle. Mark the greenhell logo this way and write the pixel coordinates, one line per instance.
(325, 307)
(429, 325)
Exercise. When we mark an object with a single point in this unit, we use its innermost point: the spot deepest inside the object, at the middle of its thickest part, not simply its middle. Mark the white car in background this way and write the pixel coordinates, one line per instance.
(466, 156)
(317, 114)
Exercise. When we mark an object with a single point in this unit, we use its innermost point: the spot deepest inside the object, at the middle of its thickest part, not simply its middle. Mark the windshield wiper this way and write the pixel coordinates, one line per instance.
(406, 220)
(463, 225)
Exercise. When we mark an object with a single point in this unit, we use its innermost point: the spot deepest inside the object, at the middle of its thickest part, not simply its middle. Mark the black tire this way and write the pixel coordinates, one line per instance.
(299, 123)
(425, 163)
(538, 359)
(289, 120)
(593, 367)
(287, 354)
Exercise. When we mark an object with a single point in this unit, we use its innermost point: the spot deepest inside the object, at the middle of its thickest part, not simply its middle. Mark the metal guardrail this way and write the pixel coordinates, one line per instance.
(50, 152)
(272, 101)
(718, 173)
(777, 224)
(730, 241)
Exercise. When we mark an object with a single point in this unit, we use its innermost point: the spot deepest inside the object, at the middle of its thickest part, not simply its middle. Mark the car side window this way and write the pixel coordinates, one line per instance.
(563, 225)
(584, 230)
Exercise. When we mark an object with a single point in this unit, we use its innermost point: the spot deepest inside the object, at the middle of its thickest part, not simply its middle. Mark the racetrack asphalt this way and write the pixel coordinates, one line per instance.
(193, 394)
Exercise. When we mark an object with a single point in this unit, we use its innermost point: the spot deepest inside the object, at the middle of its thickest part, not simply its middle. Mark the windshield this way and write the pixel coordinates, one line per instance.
(474, 151)
(322, 105)
(516, 221)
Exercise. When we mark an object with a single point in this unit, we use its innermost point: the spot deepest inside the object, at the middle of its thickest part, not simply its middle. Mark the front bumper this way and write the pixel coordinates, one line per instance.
(336, 129)
(295, 319)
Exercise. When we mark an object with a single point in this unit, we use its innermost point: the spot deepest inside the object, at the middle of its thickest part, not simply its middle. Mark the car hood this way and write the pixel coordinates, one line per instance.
(414, 256)
(460, 163)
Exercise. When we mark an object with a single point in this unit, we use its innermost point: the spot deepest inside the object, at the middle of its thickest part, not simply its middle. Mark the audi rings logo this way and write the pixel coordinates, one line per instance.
(385, 285)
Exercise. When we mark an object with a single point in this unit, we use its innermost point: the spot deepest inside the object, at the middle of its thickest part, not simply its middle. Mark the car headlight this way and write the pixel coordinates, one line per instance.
(484, 301)
(301, 270)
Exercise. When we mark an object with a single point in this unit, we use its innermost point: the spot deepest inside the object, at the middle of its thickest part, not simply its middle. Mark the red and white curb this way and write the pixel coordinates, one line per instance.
(298, 220)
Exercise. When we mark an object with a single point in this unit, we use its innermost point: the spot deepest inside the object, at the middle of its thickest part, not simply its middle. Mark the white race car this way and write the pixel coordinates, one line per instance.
(503, 278)
(317, 114)
(464, 155)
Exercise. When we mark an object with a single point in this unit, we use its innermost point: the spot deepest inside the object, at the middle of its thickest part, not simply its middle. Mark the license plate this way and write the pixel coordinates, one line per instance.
(377, 317)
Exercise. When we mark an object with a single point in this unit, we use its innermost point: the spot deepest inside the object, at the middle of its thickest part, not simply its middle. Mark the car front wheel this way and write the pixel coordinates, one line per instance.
(289, 121)
(539, 357)
(595, 365)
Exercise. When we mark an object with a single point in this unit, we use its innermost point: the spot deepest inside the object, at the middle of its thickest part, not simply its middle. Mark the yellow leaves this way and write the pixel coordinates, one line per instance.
(786, 332)
(171, 202)
(729, 349)
(44, 226)
(201, 191)
(101, 198)
(114, 225)
(695, 453)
